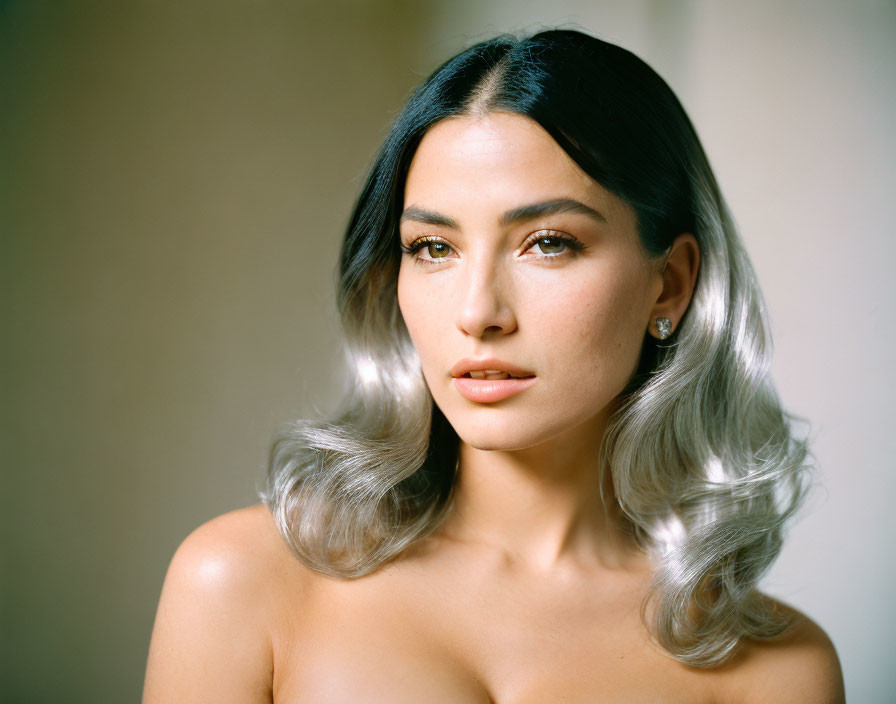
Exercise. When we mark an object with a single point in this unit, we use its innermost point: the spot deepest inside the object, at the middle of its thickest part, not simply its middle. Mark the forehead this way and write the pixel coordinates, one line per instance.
(497, 158)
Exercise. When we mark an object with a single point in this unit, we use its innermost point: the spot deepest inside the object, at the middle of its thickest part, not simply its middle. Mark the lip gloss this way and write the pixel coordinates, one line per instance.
(491, 390)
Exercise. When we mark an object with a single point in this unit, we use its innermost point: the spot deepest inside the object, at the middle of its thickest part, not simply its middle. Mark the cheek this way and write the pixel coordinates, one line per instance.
(597, 312)
(597, 334)
(425, 318)
(420, 312)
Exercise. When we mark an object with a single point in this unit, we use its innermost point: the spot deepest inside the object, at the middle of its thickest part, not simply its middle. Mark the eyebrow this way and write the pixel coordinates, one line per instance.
(525, 212)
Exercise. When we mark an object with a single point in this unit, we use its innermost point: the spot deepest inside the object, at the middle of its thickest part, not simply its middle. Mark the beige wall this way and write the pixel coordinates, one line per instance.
(176, 183)
(174, 187)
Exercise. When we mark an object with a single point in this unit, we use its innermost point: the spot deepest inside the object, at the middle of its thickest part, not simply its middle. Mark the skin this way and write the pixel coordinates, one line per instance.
(529, 592)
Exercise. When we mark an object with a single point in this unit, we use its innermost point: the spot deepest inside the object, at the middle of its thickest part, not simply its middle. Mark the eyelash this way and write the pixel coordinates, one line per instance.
(572, 246)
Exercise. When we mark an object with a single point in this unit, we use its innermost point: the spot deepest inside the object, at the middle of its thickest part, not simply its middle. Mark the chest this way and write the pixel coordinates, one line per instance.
(402, 639)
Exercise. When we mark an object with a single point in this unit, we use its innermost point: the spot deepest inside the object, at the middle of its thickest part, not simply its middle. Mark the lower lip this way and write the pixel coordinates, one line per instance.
(491, 390)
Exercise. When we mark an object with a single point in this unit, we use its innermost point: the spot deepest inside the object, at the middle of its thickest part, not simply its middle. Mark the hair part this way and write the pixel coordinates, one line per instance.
(702, 457)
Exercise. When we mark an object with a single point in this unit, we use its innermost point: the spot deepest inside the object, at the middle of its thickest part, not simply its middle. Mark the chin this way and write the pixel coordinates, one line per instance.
(492, 444)
(507, 436)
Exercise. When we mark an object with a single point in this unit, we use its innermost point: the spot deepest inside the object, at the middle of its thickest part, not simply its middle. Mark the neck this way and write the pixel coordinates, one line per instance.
(541, 506)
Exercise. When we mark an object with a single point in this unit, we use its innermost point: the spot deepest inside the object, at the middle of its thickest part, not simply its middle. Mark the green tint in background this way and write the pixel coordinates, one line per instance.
(175, 179)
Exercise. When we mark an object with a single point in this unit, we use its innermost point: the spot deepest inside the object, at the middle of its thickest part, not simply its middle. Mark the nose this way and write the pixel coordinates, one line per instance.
(485, 297)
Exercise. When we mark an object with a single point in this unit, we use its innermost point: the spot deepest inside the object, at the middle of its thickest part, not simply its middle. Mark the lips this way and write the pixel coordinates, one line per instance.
(488, 380)
(482, 367)
(491, 374)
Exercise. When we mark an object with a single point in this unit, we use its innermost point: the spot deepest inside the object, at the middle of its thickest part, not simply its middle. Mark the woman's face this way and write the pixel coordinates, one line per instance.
(521, 257)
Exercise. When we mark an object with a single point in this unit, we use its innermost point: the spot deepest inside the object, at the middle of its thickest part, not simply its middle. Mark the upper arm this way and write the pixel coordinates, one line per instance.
(800, 668)
(211, 641)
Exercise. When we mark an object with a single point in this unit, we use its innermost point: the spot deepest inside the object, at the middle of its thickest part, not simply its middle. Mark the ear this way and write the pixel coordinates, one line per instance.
(679, 277)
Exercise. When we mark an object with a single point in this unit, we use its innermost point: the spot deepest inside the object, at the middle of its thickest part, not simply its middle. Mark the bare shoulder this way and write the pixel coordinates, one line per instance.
(801, 667)
(212, 637)
(231, 557)
(235, 544)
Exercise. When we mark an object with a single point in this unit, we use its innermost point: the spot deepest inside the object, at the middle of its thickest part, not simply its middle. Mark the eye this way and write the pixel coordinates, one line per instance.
(553, 244)
(436, 249)
(550, 245)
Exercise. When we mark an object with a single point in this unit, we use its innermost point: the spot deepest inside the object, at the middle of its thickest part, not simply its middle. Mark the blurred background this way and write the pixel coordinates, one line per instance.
(175, 178)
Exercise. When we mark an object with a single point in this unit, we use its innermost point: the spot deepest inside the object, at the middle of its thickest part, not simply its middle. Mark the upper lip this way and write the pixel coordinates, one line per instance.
(473, 364)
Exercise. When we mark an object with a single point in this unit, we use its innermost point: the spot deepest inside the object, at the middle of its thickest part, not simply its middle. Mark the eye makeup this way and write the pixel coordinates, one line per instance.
(438, 249)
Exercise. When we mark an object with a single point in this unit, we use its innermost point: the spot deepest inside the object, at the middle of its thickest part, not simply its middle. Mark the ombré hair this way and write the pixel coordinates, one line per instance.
(703, 461)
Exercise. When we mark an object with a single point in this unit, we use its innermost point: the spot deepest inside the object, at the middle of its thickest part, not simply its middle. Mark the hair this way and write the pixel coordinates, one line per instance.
(704, 463)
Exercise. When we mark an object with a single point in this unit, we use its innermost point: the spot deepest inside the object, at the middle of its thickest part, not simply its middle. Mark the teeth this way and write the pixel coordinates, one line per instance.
(489, 374)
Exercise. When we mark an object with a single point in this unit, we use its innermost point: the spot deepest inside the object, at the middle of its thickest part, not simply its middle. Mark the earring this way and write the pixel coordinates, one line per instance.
(664, 327)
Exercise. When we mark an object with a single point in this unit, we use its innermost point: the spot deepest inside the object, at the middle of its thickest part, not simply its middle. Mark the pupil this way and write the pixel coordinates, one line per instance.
(436, 249)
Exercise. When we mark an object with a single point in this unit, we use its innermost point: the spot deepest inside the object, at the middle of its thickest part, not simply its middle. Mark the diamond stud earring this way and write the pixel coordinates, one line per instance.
(664, 327)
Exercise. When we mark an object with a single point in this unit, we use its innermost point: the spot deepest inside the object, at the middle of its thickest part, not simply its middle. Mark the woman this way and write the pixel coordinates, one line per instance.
(561, 467)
